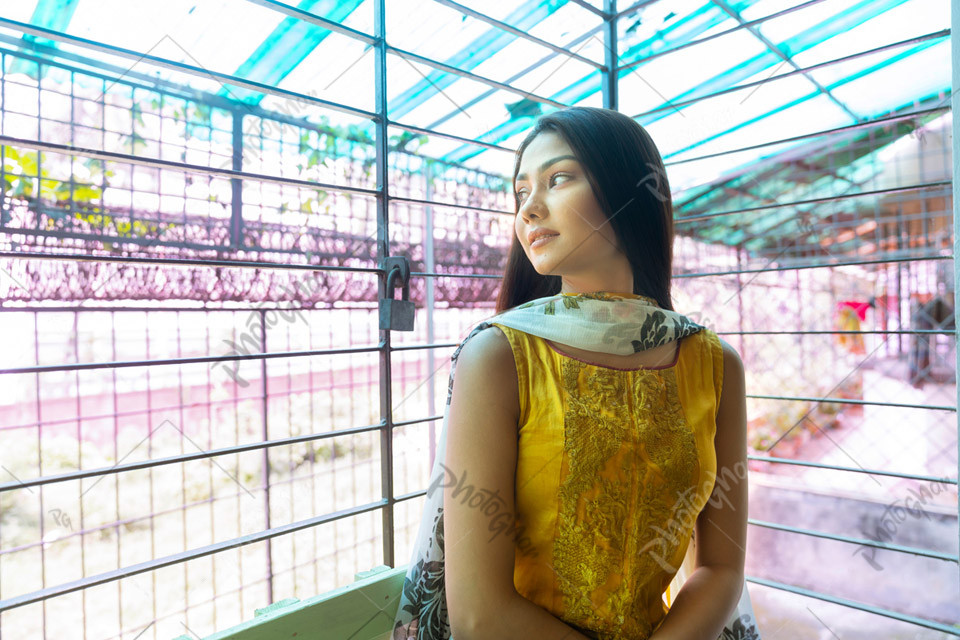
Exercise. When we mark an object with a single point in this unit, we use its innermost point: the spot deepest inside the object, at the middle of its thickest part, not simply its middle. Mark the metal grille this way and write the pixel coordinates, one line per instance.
(183, 268)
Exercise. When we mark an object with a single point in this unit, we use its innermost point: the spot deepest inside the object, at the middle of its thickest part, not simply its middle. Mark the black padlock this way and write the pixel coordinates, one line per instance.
(397, 315)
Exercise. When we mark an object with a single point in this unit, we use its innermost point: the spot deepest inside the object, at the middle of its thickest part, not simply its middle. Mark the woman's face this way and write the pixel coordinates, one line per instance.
(554, 194)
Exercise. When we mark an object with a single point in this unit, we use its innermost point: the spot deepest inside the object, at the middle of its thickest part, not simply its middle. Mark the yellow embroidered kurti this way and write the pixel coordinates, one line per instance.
(613, 466)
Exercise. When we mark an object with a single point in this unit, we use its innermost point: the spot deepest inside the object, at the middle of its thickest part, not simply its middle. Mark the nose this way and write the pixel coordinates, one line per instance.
(532, 206)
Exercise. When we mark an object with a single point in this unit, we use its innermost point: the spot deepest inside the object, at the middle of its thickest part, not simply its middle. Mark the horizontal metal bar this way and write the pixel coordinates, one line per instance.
(181, 67)
(270, 355)
(589, 7)
(184, 556)
(433, 274)
(954, 631)
(519, 33)
(866, 124)
(855, 402)
(418, 347)
(155, 163)
(796, 203)
(813, 332)
(142, 242)
(805, 70)
(88, 366)
(632, 8)
(184, 457)
(928, 553)
(314, 19)
(849, 263)
(449, 136)
(29, 309)
(182, 262)
(405, 423)
(440, 66)
(832, 467)
(434, 203)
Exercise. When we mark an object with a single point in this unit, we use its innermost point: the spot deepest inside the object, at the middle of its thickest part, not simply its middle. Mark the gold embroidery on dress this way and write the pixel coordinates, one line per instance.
(627, 450)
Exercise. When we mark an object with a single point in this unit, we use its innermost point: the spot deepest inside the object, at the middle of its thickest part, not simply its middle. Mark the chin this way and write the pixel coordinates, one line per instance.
(544, 272)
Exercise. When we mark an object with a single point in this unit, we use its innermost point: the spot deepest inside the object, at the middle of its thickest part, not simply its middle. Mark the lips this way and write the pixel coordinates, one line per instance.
(537, 233)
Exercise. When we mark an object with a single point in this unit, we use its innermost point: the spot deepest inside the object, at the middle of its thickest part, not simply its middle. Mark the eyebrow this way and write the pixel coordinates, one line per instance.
(543, 167)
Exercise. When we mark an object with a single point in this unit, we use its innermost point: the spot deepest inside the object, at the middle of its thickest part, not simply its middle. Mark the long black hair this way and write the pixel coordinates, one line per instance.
(628, 178)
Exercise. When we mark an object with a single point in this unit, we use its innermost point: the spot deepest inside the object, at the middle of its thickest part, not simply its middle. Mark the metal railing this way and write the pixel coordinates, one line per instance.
(611, 69)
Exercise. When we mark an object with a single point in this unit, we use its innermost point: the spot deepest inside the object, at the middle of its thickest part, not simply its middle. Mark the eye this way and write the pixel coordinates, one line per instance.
(521, 191)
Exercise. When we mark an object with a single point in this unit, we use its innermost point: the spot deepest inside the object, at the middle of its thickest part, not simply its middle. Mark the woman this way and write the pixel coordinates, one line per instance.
(593, 431)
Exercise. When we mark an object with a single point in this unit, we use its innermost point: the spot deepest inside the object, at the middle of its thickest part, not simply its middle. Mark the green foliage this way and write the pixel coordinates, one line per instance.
(22, 168)
(398, 143)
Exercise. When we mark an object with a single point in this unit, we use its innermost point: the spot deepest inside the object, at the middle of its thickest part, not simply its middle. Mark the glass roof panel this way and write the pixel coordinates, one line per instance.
(657, 82)
(763, 8)
(339, 69)
(812, 19)
(216, 35)
(880, 91)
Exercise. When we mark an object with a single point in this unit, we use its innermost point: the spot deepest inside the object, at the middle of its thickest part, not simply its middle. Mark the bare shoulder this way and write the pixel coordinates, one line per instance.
(489, 350)
(731, 359)
(732, 403)
(486, 364)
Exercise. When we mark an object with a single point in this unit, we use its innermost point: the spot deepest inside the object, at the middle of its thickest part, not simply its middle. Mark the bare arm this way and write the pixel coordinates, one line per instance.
(481, 459)
(708, 597)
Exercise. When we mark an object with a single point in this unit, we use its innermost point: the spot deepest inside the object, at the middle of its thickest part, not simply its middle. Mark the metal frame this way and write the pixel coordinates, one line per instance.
(955, 56)
(611, 72)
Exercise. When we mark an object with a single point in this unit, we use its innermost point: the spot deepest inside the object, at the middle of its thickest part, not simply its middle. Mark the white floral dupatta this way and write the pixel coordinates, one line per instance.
(600, 321)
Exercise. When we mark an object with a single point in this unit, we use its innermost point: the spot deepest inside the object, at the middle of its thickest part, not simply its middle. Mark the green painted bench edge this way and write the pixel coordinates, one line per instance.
(362, 610)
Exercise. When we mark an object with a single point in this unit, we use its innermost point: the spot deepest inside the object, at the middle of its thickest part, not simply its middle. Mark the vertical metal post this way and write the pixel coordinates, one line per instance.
(383, 250)
(743, 342)
(39, 400)
(610, 59)
(831, 279)
(236, 185)
(265, 462)
(900, 287)
(955, 107)
(800, 325)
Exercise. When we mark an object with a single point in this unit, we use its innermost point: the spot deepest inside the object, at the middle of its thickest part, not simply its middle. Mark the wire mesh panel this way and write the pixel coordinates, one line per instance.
(199, 413)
